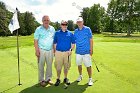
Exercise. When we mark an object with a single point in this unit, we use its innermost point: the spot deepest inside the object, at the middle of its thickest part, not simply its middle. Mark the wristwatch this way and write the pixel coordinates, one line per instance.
(70, 49)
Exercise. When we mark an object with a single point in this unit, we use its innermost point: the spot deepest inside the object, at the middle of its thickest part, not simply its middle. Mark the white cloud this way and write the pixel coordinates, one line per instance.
(56, 9)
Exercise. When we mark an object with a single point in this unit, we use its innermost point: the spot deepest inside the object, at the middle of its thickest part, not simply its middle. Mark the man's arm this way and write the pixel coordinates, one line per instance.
(91, 46)
(54, 48)
(73, 42)
(72, 47)
(54, 43)
(36, 48)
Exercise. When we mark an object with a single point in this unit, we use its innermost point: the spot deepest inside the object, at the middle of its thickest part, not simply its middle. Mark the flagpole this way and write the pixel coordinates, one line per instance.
(18, 55)
(14, 25)
(18, 60)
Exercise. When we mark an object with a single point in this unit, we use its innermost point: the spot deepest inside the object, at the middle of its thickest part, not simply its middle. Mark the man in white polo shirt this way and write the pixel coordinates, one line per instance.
(84, 49)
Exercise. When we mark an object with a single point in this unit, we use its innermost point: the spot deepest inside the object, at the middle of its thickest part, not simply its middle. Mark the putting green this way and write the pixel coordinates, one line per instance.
(118, 63)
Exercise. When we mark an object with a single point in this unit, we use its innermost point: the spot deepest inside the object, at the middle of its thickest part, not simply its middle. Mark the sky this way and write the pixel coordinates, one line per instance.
(56, 9)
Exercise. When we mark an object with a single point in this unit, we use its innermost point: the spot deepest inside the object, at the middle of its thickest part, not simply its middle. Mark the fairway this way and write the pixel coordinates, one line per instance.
(118, 59)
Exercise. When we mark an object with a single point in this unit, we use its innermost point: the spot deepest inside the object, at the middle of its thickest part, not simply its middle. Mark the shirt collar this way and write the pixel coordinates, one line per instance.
(45, 28)
(82, 28)
(62, 31)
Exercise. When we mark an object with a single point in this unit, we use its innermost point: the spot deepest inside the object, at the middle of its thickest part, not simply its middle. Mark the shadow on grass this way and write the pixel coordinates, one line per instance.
(9, 89)
(122, 36)
(72, 88)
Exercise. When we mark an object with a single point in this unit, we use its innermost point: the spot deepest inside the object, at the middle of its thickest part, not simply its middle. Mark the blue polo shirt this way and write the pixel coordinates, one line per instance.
(63, 40)
(82, 38)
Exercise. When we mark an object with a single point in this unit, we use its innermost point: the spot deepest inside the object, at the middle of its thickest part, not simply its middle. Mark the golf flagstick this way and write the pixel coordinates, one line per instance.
(14, 25)
(18, 59)
(95, 64)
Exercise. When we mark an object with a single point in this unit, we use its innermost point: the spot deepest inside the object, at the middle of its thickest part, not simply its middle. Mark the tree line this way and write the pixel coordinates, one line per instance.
(27, 22)
(121, 16)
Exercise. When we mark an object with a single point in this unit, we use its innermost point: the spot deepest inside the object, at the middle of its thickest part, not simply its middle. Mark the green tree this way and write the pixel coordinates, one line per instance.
(4, 20)
(93, 17)
(111, 12)
(85, 15)
(136, 16)
(124, 12)
(56, 25)
(29, 23)
(70, 25)
(21, 23)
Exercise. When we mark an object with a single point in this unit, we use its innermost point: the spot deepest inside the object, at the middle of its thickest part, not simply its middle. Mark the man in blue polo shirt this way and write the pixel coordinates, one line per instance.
(63, 44)
(84, 49)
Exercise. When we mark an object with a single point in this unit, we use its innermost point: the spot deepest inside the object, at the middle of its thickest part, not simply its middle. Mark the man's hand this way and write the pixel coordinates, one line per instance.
(91, 46)
(91, 52)
(54, 49)
(37, 53)
(54, 52)
(69, 52)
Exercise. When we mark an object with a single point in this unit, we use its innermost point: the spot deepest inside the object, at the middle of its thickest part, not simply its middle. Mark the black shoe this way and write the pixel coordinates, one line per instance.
(57, 82)
(66, 81)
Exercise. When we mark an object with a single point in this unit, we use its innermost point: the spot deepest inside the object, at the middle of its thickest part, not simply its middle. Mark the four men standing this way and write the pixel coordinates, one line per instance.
(62, 42)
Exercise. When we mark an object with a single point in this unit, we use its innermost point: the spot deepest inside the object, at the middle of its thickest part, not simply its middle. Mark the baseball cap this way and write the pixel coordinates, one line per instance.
(79, 19)
(64, 22)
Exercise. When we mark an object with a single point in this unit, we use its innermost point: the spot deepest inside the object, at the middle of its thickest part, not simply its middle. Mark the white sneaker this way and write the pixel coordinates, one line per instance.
(79, 78)
(90, 82)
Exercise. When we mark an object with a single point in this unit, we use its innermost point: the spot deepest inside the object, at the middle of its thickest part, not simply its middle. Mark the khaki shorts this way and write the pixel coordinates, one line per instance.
(61, 59)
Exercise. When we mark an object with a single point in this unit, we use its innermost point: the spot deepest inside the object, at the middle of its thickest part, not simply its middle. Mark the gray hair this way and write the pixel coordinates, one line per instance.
(45, 16)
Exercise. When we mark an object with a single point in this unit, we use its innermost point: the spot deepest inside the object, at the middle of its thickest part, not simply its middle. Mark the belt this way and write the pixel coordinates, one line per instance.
(61, 51)
(45, 49)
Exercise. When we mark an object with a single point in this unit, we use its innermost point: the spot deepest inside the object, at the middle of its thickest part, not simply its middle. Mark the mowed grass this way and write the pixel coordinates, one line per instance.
(117, 57)
(9, 42)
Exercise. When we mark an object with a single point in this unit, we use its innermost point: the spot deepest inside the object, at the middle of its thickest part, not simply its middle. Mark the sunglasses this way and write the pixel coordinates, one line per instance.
(64, 24)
